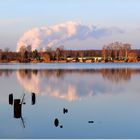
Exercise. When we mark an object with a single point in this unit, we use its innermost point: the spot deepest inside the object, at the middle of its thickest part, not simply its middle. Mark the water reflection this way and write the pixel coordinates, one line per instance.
(66, 84)
(6, 72)
(103, 102)
(48, 82)
(112, 74)
(117, 75)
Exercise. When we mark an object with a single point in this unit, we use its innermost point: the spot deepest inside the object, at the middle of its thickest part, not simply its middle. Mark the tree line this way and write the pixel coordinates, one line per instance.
(111, 52)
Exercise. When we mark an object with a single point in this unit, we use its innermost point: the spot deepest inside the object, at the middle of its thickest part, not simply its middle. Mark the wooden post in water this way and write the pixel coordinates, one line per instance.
(33, 98)
(17, 108)
(11, 99)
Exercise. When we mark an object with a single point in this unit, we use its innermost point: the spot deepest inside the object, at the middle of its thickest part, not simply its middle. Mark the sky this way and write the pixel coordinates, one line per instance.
(19, 16)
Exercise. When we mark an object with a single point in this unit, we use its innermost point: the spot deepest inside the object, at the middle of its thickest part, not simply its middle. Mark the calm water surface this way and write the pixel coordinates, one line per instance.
(109, 97)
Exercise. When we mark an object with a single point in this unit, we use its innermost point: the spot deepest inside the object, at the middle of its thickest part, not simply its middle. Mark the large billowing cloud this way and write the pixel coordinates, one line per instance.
(52, 36)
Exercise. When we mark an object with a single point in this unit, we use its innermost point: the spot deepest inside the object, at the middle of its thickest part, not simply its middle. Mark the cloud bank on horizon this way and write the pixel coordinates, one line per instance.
(59, 34)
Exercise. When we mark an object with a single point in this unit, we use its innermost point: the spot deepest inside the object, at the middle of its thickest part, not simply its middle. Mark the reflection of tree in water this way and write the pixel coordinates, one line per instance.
(27, 73)
(60, 83)
(6, 72)
(117, 74)
(72, 84)
(57, 72)
(60, 73)
(114, 74)
(123, 74)
(35, 72)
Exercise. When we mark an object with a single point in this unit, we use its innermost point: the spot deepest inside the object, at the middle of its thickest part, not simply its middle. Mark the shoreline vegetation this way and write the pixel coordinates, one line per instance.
(114, 52)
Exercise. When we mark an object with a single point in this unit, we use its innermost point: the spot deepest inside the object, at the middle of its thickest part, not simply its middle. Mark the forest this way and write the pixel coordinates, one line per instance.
(113, 52)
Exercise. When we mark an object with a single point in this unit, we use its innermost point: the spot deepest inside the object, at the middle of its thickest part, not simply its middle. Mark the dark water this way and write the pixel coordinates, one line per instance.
(87, 103)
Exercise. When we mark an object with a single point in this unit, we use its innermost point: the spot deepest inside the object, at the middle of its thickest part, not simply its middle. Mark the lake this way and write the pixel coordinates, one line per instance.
(70, 100)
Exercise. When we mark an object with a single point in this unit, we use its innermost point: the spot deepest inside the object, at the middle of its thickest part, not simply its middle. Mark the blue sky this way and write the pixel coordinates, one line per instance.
(18, 16)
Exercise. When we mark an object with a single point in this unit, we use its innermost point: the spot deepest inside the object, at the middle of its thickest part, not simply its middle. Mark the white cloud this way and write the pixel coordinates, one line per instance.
(55, 35)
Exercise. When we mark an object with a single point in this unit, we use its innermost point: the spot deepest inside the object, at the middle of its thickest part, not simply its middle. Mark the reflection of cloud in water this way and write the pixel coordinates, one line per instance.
(28, 80)
(74, 84)
(49, 85)
(50, 82)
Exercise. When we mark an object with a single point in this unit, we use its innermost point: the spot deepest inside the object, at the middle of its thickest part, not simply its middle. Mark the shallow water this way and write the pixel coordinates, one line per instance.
(108, 97)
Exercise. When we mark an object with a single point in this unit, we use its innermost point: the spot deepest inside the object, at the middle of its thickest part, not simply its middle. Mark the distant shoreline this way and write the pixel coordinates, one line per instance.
(108, 54)
(33, 62)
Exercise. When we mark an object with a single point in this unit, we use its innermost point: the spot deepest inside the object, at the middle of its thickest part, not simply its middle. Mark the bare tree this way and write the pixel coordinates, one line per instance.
(29, 48)
(104, 52)
(117, 50)
(22, 49)
(58, 53)
(7, 49)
